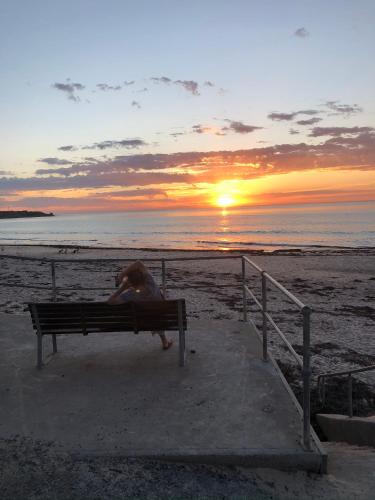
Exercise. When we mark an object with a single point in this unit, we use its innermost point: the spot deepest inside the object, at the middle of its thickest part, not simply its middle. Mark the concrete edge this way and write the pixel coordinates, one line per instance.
(287, 460)
(358, 431)
(316, 441)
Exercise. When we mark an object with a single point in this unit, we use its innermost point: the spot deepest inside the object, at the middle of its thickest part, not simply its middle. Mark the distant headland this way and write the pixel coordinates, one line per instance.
(16, 214)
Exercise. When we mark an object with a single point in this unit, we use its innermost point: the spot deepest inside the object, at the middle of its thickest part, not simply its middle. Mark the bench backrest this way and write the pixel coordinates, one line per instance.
(91, 317)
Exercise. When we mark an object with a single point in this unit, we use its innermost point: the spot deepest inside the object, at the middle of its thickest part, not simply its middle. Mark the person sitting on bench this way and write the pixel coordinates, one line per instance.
(136, 284)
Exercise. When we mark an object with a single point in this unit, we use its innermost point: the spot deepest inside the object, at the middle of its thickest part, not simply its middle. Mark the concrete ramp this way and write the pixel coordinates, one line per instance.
(120, 394)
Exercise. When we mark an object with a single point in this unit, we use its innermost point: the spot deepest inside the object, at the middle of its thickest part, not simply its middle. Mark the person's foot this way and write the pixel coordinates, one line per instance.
(167, 344)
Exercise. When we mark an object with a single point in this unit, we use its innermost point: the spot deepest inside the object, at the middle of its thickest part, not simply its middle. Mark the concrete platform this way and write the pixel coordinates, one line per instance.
(121, 394)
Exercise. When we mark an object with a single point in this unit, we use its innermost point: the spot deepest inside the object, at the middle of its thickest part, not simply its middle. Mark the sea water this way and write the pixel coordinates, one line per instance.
(342, 225)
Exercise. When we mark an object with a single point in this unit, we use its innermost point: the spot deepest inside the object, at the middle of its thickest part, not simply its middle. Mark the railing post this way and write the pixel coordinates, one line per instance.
(244, 298)
(350, 395)
(53, 275)
(264, 317)
(306, 374)
(163, 278)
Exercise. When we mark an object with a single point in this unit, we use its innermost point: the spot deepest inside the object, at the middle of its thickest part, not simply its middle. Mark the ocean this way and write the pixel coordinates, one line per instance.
(267, 228)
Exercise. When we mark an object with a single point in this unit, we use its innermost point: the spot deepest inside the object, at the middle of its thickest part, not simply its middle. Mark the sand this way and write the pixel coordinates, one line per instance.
(338, 284)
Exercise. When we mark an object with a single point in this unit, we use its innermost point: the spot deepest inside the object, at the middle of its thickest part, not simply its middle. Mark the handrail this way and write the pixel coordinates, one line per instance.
(286, 292)
(304, 361)
(255, 266)
(347, 372)
(322, 380)
(121, 259)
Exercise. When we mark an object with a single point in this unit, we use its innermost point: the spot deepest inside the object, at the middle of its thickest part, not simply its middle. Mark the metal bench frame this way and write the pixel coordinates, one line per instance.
(53, 318)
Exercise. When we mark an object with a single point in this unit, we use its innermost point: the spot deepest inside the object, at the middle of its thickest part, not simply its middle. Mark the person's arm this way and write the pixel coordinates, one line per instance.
(137, 265)
(115, 297)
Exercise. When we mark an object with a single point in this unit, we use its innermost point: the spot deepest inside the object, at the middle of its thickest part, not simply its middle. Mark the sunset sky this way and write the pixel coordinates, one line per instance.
(124, 105)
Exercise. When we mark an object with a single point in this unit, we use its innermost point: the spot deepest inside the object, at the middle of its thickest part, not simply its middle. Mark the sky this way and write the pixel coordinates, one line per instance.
(123, 105)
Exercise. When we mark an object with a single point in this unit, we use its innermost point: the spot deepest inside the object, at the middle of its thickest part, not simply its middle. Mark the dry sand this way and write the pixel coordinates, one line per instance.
(338, 284)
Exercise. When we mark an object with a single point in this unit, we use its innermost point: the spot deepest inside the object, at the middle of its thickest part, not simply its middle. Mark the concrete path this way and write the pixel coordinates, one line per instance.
(121, 394)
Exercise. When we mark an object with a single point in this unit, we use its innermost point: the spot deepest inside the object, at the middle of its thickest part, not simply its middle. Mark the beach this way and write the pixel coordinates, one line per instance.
(339, 286)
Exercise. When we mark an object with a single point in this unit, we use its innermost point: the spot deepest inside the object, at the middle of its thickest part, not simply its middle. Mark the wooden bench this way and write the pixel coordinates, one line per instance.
(65, 318)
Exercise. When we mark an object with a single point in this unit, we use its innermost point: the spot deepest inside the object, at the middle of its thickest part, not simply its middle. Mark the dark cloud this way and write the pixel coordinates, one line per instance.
(161, 79)
(337, 131)
(290, 116)
(124, 143)
(282, 116)
(55, 161)
(310, 121)
(343, 109)
(67, 148)
(69, 88)
(105, 88)
(189, 86)
(136, 104)
(240, 128)
(308, 112)
(127, 83)
(202, 129)
(301, 33)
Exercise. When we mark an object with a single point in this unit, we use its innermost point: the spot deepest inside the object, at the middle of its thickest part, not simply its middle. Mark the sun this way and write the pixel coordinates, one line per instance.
(225, 200)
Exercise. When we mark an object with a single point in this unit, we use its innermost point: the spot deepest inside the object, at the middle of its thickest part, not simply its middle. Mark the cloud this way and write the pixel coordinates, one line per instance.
(202, 129)
(301, 33)
(353, 151)
(105, 88)
(69, 89)
(67, 148)
(279, 117)
(310, 121)
(189, 85)
(136, 104)
(240, 128)
(290, 116)
(343, 109)
(161, 79)
(55, 161)
(124, 143)
(337, 131)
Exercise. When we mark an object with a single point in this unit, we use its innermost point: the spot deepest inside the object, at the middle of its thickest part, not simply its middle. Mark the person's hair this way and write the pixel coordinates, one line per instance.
(136, 277)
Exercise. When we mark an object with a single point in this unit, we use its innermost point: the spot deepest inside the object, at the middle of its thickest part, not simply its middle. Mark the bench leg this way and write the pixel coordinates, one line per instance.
(40, 351)
(181, 345)
(54, 344)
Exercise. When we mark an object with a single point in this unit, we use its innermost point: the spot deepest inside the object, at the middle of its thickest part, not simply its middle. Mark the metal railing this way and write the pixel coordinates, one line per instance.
(322, 381)
(303, 363)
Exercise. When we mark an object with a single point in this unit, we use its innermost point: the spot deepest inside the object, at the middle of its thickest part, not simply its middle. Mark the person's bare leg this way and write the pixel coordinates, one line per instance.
(166, 343)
